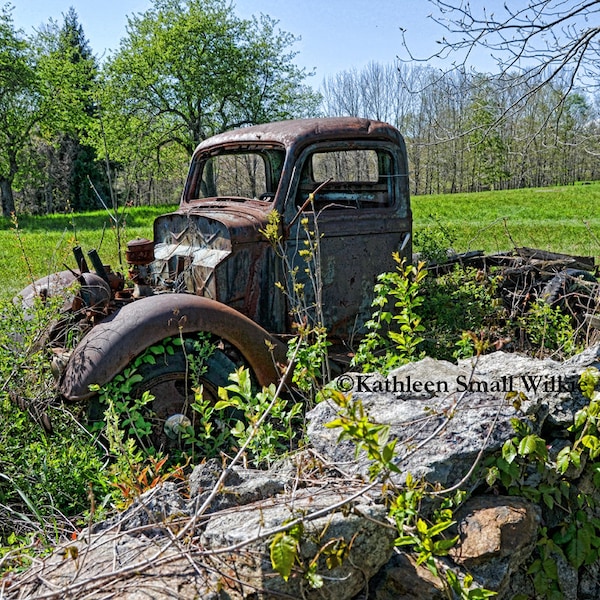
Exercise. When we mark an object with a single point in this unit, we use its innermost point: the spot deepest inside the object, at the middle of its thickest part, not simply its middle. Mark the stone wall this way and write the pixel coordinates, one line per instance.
(446, 418)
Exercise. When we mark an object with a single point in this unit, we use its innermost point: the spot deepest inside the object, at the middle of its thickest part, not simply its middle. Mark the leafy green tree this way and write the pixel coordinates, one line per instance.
(20, 101)
(485, 139)
(68, 73)
(191, 68)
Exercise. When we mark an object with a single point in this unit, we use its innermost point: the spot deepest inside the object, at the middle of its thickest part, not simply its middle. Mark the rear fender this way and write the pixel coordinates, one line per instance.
(116, 341)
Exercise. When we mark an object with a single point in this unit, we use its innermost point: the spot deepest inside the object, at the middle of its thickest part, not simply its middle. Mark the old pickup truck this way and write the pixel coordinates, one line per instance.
(210, 268)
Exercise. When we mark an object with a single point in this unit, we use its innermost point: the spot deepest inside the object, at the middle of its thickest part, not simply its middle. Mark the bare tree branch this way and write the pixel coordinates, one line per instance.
(546, 37)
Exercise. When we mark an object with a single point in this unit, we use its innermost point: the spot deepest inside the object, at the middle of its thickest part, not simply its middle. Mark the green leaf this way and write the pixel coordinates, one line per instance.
(404, 540)
(441, 547)
(509, 452)
(422, 527)
(314, 579)
(221, 404)
(439, 527)
(283, 552)
(492, 475)
(532, 444)
(550, 569)
(158, 349)
(592, 443)
(579, 547)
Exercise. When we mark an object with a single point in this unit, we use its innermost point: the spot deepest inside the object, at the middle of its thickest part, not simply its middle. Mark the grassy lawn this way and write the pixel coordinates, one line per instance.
(561, 219)
(43, 245)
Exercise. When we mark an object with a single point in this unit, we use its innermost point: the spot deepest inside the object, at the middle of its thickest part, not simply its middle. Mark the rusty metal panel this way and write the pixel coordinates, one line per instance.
(117, 340)
(353, 252)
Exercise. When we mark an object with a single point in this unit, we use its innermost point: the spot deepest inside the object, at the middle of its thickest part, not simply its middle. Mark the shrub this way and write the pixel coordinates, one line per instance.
(45, 480)
(464, 304)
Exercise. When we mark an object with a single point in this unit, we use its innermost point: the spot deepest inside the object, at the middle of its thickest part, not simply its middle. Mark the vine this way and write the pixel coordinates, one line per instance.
(572, 530)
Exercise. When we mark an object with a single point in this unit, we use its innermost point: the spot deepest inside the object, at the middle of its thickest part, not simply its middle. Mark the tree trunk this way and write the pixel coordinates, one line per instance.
(6, 195)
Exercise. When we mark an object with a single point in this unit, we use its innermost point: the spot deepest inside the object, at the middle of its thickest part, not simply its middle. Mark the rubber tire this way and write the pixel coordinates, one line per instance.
(166, 381)
(564, 283)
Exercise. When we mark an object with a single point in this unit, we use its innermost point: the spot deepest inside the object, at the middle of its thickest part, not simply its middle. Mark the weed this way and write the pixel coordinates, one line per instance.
(213, 427)
(394, 331)
(549, 330)
(426, 539)
(276, 435)
(572, 533)
(45, 479)
(463, 305)
(434, 241)
(303, 288)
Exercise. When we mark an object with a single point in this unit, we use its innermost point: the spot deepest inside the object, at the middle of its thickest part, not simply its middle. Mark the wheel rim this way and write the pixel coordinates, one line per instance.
(173, 395)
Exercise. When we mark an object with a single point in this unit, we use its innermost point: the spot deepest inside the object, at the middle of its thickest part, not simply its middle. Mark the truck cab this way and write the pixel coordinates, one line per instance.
(347, 176)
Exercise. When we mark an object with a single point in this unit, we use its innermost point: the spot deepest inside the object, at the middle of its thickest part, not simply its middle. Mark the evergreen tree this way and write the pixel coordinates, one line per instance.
(69, 71)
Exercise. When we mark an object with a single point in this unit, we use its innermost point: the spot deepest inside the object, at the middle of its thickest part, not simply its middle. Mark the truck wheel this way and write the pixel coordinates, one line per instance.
(173, 384)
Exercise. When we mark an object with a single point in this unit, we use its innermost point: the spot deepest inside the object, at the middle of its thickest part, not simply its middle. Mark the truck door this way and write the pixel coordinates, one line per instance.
(359, 213)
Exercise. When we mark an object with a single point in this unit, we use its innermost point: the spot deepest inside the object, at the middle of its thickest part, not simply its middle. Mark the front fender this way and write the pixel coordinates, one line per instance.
(116, 341)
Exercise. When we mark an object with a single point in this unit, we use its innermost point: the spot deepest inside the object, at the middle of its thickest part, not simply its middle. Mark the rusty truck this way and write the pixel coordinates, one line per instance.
(210, 268)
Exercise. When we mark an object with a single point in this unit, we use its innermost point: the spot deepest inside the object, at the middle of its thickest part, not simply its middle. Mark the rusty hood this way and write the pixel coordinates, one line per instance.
(193, 241)
(221, 225)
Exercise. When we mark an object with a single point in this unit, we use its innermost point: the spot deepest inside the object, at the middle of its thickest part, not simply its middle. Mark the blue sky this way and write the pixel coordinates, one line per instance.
(337, 35)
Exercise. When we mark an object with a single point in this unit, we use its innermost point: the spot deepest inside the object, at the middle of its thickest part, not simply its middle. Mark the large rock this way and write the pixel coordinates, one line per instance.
(116, 565)
(497, 535)
(362, 528)
(441, 424)
(445, 415)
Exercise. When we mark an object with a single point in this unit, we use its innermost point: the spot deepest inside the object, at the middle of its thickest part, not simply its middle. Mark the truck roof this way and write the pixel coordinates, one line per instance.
(299, 132)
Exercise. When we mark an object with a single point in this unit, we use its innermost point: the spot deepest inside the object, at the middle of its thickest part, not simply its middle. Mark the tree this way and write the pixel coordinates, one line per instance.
(189, 69)
(538, 40)
(20, 100)
(488, 149)
(68, 72)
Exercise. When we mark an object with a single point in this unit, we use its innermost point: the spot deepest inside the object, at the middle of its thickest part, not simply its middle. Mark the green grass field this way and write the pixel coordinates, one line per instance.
(561, 219)
(43, 245)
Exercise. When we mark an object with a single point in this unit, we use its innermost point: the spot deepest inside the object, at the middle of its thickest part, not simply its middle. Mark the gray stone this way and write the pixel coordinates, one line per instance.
(362, 527)
(443, 417)
(103, 568)
(241, 486)
(158, 506)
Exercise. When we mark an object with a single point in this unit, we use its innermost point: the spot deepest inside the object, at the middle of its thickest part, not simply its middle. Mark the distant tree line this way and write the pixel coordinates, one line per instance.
(468, 131)
(77, 133)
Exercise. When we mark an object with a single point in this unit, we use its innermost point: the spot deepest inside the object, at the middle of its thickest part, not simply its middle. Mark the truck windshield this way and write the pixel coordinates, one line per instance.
(240, 175)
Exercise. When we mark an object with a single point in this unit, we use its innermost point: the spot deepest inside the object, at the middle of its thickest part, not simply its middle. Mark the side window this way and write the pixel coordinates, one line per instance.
(358, 178)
